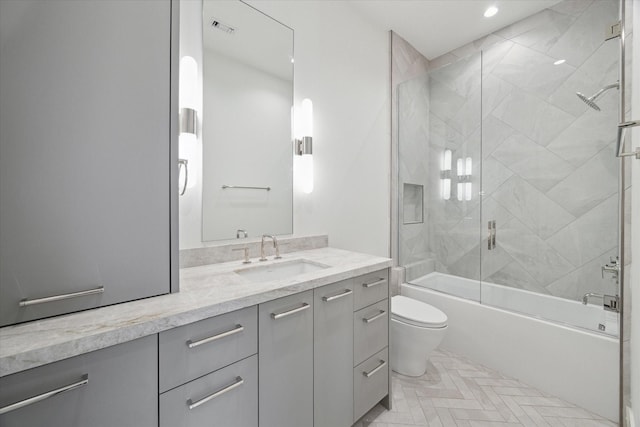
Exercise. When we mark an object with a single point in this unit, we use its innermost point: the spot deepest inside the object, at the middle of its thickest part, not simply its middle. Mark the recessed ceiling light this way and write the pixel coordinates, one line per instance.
(490, 12)
(560, 61)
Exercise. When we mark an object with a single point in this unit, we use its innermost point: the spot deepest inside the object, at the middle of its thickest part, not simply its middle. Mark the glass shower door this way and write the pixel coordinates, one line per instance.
(550, 175)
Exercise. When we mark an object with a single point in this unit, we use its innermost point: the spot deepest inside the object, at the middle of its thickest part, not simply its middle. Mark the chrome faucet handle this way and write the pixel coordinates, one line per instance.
(246, 254)
(262, 254)
(243, 232)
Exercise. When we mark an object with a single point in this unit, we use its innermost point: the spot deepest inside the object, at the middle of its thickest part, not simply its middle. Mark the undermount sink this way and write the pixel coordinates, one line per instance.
(281, 270)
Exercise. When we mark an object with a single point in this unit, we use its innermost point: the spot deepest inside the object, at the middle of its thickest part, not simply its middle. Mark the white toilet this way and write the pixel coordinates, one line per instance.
(417, 329)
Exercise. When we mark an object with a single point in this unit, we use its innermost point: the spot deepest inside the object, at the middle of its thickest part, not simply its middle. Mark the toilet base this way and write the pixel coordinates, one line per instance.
(411, 347)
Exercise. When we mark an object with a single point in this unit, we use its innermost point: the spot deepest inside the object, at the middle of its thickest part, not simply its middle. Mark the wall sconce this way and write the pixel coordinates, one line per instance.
(303, 146)
(445, 175)
(464, 168)
(188, 122)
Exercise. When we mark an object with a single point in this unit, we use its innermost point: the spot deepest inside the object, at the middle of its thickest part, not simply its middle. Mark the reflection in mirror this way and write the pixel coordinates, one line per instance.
(247, 148)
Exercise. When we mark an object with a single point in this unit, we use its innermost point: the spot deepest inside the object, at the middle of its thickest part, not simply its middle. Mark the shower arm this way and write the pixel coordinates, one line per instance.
(603, 90)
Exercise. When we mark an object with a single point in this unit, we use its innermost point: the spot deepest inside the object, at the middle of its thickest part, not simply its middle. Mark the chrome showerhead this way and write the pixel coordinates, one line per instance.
(588, 101)
(591, 100)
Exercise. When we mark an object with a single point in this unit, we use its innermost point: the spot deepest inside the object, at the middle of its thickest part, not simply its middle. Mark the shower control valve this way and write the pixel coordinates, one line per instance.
(612, 267)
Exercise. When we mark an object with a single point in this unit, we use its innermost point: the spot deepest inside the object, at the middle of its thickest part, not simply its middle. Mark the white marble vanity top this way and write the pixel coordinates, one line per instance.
(205, 291)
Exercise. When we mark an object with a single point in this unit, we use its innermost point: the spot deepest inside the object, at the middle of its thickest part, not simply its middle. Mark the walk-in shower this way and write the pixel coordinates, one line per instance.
(520, 191)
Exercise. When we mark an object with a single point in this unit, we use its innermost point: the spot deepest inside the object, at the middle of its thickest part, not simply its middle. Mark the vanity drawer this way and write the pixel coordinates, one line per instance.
(193, 350)
(228, 397)
(370, 330)
(370, 288)
(370, 383)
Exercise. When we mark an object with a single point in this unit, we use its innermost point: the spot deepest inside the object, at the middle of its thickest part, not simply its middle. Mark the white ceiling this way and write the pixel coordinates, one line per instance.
(435, 27)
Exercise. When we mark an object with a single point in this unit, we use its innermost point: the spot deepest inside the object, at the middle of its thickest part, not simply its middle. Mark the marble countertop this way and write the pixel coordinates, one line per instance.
(205, 291)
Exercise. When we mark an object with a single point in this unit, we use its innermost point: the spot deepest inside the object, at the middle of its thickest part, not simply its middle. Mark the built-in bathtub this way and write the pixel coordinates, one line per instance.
(533, 340)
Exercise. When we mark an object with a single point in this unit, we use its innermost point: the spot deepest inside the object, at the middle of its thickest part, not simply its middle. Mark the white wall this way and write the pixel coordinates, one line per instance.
(635, 230)
(342, 65)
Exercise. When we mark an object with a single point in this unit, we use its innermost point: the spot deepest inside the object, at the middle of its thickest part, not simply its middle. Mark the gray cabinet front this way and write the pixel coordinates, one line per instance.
(286, 361)
(85, 136)
(116, 386)
(228, 397)
(333, 355)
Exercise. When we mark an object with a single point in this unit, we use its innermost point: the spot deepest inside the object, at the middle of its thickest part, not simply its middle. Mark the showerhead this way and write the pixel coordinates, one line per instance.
(591, 101)
(588, 101)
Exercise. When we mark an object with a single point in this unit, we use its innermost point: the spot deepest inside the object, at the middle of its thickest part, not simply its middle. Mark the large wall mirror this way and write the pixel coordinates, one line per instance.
(246, 122)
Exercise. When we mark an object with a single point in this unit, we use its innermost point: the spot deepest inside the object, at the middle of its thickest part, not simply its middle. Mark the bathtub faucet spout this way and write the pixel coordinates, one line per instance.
(585, 298)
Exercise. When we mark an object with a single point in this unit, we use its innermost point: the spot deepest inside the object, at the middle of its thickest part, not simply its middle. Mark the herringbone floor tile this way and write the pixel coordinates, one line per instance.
(457, 392)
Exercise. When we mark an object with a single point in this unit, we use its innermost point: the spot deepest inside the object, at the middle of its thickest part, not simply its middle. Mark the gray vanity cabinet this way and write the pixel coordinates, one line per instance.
(333, 355)
(286, 361)
(116, 386)
(85, 157)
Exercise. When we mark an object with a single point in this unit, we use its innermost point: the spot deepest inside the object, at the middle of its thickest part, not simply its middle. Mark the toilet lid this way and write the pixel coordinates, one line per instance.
(417, 312)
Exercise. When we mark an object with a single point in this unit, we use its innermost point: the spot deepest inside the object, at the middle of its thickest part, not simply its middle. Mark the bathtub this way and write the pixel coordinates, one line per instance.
(577, 363)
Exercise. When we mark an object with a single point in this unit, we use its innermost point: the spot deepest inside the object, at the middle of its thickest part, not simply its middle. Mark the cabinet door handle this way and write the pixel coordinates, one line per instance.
(28, 302)
(39, 398)
(337, 296)
(376, 317)
(280, 315)
(374, 370)
(236, 330)
(237, 383)
(372, 284)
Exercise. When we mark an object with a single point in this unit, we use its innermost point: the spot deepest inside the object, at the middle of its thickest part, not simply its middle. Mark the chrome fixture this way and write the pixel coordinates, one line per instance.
(491, 239)
(237, 383)
(613, 267)
(44, 396)
(240, 187)
(609, 302)
(246, 254)
(276, 316)
(591, 100)
(243, 232)
(183, 163)
(275, 245)
(381, 365)
(28, 302)
(236, 330)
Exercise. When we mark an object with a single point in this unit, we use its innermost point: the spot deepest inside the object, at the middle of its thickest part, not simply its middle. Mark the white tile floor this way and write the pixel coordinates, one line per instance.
(458, 392)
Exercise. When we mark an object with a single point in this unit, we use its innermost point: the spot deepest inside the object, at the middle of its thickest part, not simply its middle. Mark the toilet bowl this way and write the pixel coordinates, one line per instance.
(417, 329)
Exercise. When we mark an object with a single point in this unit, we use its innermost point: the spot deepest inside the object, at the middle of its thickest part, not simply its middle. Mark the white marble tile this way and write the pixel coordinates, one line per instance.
(492, 56)
(494, 91)
(445, 102)
(494, 174)
(590, 235)
(532, 162)
(494, 133)
(589, 185)
(462, 76)
(584, 138)
(513, 275)
(533, 117)
(539, 31)
(572, 7)
(532, 253)
(531, 71)
(540, 214)
(585, 35)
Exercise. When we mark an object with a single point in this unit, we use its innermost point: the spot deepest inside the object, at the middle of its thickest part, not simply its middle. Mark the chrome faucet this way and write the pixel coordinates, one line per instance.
(585, 298)
(275, 245)
(241, 231)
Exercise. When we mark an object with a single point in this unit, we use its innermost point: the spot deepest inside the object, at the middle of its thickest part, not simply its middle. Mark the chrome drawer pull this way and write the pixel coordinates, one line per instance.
(28, 302)
(374, 370)
(338, 296)
(376, 317)
(237, 383)
(237, 329)
(372, 284)
(39, 398)
(303, 307)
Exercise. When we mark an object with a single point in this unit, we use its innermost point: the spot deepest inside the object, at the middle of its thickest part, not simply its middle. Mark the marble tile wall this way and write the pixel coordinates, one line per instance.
(410, 93)
(548, 170)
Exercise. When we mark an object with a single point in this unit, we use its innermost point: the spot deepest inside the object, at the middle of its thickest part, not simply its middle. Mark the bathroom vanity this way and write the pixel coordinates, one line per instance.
(237, 344)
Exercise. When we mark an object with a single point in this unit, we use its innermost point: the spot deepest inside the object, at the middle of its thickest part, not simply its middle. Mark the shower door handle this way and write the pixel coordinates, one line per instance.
(491, 240)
